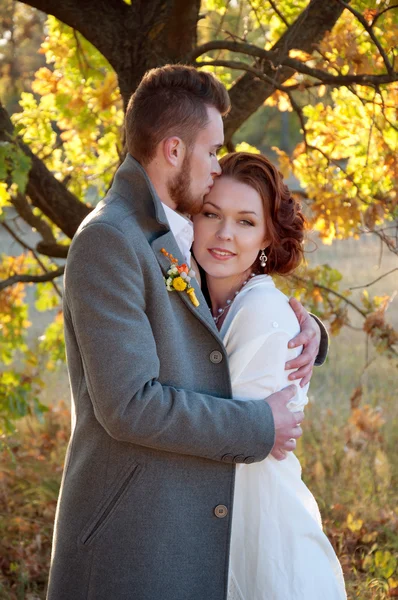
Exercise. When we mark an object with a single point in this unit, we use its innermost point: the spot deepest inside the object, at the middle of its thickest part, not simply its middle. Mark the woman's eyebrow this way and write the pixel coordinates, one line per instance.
(241, 212)
(212, 203)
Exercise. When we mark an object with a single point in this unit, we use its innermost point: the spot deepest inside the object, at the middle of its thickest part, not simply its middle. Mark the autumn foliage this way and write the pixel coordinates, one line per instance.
(329, 70)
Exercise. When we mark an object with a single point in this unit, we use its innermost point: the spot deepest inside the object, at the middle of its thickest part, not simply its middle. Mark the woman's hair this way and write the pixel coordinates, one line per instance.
(171, 100)
(284, 221)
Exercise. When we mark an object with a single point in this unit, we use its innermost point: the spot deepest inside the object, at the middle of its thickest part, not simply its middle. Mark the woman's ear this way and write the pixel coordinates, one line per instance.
(174, 151)
(266, 244)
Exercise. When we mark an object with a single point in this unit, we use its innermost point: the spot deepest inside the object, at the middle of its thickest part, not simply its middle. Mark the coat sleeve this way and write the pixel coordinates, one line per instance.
(105, 309)
(323, 344)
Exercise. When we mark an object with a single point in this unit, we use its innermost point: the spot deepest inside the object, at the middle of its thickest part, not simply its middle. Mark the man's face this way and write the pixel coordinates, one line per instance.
(200, 166)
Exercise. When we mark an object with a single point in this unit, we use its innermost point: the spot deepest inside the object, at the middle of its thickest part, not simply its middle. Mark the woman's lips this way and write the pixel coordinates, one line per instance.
(220, 254)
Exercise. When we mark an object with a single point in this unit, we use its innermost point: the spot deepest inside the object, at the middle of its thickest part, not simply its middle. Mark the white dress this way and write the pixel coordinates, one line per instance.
(278, 549)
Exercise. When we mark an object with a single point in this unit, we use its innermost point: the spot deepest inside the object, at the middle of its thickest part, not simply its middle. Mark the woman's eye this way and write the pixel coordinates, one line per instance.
(245, 222)
(210, 215)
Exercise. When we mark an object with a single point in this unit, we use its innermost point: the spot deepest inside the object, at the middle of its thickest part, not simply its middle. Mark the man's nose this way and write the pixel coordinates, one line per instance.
(215, 168)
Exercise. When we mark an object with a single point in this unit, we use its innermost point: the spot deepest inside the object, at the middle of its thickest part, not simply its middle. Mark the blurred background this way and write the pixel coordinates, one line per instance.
(313, 85)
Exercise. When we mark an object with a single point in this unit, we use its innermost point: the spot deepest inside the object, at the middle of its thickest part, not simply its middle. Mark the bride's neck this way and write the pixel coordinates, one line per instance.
(222, 289)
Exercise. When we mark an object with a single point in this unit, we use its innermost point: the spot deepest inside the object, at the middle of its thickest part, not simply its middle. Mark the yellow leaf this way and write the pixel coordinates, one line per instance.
(271, 100)
(245, 147)
(45, 82)
(317, 296)
(4, 195)
(392, 583)
(369, 537)
(289, 82)
(284, 103)
(104, 93)
(300, 55)
(284, 161)
(354, 525)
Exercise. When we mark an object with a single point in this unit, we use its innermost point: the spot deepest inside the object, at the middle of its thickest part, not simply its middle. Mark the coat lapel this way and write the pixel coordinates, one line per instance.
(132, 183)
(202, 312)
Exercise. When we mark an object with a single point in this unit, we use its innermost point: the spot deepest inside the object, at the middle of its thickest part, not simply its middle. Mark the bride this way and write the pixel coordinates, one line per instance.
(250, 228)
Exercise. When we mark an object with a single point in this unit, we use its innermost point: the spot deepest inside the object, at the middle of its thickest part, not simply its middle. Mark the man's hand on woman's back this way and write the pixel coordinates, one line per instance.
(287, 423)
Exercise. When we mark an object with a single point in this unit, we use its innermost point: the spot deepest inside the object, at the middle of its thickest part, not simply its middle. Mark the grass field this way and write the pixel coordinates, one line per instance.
(348, 453)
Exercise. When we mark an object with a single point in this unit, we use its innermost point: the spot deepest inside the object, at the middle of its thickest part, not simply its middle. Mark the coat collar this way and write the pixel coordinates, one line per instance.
(133, 184)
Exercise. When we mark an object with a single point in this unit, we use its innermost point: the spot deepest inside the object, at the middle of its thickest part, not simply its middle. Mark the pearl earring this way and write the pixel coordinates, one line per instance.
(263, 259)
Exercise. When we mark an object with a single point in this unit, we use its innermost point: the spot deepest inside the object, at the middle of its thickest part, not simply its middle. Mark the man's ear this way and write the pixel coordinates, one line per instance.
(174, 151)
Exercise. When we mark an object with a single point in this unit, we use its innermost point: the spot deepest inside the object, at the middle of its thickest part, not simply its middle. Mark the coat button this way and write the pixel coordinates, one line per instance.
(221, 511)
(215, 357)
(227, 458)
(239, 458)
(249, 460)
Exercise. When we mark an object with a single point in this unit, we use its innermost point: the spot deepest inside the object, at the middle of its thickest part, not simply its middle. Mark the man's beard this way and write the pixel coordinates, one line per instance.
(180, 191)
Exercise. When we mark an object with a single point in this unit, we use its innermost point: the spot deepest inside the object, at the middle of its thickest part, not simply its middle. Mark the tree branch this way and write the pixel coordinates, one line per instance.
(24, 209)
(391, 244)
(359, 287)
(379, 14)
(278, 12)
(249, 93)
(53, 250)
(17, 238)
(45, 191)
(242, 47)
(324, 77)
(315, 284)
(369, 30)
(49, 276)
(30, 249)
(257, 17)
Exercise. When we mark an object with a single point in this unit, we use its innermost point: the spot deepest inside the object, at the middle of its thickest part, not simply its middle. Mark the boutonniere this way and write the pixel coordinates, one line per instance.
(179, 278)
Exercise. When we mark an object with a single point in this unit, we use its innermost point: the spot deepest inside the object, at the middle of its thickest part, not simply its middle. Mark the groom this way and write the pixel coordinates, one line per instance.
(145, 505)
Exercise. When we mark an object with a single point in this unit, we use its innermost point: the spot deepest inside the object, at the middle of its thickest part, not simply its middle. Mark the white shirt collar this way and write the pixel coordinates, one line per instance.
(182, 229)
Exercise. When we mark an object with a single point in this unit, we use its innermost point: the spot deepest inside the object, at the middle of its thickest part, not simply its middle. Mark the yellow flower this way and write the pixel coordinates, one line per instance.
(192, 297)
(179, 284)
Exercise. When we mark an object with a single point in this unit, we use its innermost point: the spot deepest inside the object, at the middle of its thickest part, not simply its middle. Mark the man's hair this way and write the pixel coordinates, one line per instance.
(171, 101)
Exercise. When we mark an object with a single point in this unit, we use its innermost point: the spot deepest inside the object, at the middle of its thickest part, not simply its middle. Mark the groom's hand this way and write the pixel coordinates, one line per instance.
(310, 338)
(287, 423)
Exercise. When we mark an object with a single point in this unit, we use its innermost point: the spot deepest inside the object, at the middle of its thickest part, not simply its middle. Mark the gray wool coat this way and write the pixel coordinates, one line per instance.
(145, 505)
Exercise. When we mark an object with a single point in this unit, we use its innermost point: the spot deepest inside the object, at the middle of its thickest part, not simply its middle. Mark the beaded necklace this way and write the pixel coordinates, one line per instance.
(221, 311)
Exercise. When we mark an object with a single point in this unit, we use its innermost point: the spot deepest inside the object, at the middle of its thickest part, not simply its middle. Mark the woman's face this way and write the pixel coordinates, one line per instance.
(230, 230)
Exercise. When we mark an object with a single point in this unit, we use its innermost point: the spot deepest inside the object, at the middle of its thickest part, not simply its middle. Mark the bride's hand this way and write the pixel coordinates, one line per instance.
(287, 424)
